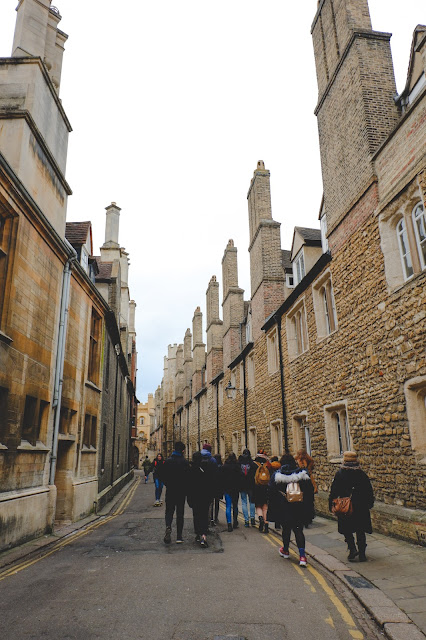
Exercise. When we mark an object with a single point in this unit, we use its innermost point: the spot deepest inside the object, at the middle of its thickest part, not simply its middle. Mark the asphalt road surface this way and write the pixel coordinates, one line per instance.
(116, 579)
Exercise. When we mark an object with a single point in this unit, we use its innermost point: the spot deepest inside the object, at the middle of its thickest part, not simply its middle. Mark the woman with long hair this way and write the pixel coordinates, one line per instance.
(157, 467)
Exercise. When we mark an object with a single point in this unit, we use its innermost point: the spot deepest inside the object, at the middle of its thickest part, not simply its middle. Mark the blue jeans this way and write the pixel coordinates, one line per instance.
(246, 496)
(231, 501)
(158, 488)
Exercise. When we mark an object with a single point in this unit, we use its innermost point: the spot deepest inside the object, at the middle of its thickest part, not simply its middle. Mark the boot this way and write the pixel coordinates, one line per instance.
(362, 557)
(235, 524)
(353, 552)
(230, 527)
(266, 529)
(261, 524)
(253, 522)
(168, 535)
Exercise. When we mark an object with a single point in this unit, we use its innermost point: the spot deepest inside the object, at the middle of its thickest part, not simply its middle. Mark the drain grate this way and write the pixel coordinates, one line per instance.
(358, 582)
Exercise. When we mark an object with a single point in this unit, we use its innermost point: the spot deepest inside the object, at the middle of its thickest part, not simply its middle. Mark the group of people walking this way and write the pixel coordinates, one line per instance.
(279, 491)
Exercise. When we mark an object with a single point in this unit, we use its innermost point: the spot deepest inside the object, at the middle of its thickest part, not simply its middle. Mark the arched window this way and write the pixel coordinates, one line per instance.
(404, 249)
(419, 223)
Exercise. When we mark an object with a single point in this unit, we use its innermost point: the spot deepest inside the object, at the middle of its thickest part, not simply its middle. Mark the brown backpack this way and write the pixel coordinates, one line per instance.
(262, 476)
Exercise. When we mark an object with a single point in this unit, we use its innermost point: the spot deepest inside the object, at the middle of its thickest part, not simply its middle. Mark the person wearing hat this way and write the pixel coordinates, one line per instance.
(351, 481)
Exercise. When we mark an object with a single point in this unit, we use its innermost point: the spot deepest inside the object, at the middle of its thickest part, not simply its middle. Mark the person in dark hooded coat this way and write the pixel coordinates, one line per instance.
(292, 516)
(350, 480)
(246, 487)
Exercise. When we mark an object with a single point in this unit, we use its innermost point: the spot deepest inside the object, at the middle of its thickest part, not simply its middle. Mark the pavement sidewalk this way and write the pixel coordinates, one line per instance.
(391, 585)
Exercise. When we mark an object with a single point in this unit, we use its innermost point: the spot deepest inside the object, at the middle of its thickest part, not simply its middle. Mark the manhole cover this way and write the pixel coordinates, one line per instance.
(359, 583)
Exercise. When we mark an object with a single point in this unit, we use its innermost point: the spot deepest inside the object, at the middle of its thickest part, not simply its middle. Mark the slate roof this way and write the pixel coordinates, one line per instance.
(310, 236)
(286, 260)
(105, 269)
(76, 232)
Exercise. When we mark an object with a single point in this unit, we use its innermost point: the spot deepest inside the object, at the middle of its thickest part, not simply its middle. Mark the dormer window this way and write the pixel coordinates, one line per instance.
(84, 260)
(299, 267)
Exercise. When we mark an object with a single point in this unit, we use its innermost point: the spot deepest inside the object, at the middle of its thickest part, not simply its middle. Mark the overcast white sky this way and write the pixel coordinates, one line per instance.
(172, 104)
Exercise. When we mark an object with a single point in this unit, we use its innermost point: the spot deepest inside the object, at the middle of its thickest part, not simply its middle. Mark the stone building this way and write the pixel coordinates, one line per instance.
(329, 351)
(145, 421)
(55, 323)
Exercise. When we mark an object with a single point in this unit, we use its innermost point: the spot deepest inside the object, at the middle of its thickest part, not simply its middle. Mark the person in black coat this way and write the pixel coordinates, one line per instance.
(350, 480)
(230, 483)
(292, 516)
(202, 486)
(247, 473)
(174, 474)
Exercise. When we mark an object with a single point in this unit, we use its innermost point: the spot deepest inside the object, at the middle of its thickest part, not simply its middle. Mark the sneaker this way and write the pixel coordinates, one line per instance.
(247, 523)
(253, 522)
(179, 541)
(230, 527)
(203, 542)
(302, 561)
(168, 535)
(352, 554)
(362, 556)
(284, 553)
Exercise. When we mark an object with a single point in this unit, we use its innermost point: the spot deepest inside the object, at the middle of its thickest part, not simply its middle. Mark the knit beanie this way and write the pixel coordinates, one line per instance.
(207, 446)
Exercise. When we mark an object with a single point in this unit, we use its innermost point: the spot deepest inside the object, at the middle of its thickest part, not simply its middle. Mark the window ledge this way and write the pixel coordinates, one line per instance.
(3, 447)
(93, 386)
(5, 338)
(27, 446)
(272, 373)
(86, 449)
(67, 437)
(401, 285)
(327, 335)
(299, 355)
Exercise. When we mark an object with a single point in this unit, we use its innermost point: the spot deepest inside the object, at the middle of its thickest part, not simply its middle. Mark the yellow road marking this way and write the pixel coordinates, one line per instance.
(343, 611)
(329, 621)
(71, 538)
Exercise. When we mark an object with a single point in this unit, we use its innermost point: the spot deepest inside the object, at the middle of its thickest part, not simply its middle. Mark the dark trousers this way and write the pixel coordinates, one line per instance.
(298, 534)
(214, 509)
(175, 501)
(200, 512)
(360, 539)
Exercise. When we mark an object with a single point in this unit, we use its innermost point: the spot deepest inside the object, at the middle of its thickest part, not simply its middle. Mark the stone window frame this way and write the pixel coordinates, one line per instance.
(90, 432)
(299, 268)
(276, 437)
(299, 427)
(297, 330)
(252, 439)
(401, 212)
(8, 233)
(272, 350)
(34, 420)
(235, 443)
(415, 395)
(324, 306)
(4, 421)
(337, 430)
(220, 390)
(251, 371)
(95, 341)
(420, 240)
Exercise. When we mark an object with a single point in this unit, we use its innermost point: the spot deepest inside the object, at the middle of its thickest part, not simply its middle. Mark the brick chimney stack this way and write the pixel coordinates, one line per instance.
(214, 363)
(232, 305)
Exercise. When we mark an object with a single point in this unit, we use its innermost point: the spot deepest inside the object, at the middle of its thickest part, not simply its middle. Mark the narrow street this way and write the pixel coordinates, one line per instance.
(117, 579)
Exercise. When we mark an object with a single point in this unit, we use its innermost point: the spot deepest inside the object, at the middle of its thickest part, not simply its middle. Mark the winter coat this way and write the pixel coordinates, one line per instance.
(208, 456)
(356, 483)
(295, 514)
(247, 473)
(230, 478)
(157, 467)
(174, 474)
(202, 482)
(147, 466)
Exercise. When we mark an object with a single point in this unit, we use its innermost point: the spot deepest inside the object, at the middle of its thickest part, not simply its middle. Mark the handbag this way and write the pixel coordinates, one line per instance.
(342, 506)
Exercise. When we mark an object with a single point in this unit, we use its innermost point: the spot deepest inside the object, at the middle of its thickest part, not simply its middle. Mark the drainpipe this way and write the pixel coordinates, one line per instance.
(117, 348)
(187, 429)
(245, 402)
(280, 349)
(217, 417)
(60, 358)
(199, 427)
